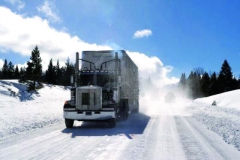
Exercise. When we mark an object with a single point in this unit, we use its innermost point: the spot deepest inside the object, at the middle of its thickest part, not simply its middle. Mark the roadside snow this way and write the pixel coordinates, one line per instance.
(223, 119)
(226, 100)
(21, 111)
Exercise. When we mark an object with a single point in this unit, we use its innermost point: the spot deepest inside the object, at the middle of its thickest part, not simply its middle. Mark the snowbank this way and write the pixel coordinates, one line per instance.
(223, 119)
(228, 99)
(21, 111)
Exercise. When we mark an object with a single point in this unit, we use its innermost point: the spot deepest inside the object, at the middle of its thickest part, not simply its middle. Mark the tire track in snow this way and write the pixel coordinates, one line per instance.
(159, 141)
(137, 146)
(19, 147)
(55, 145)
(168, 142)
(199, 143)
(85, 142)
(109, 148)
(33, 147)
(76, 148)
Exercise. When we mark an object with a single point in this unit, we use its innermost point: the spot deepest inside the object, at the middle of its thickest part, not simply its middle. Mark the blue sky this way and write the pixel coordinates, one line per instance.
(182, 35)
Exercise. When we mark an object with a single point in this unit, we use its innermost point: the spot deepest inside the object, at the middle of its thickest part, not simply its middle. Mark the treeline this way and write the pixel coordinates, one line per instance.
(59, 75)
(33, 74)
(9, 71)
(201, 84)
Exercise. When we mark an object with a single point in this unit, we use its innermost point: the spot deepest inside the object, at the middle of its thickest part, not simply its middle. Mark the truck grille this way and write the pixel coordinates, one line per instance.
(85, 99)
(89, 98)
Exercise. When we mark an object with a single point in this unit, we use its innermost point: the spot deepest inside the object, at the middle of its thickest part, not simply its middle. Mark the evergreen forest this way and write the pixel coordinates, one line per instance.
(202, 84)
(33, 74)
(198, 83)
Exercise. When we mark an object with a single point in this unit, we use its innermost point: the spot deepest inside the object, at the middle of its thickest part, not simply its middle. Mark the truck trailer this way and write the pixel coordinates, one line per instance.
(105, 88)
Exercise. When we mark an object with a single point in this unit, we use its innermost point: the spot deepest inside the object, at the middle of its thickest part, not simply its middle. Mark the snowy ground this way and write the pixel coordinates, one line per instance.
(21, 111)
(223, 119)
(32, 126)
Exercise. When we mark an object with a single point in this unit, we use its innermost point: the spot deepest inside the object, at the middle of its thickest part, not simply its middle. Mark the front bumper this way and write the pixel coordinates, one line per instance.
(88, 115)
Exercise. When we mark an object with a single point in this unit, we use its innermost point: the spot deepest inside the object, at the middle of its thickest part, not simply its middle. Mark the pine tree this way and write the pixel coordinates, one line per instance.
(16, 73)
(193, 83)
(205, 84)
(58, 73)
(239, 83)
(5, 70)
(225, 79)
(199, 71)
(183, 81)
(10, 70)
(22, 76)
(234, 84)
(213, 86)
(68, 71)
(51, 74)
(34, 69)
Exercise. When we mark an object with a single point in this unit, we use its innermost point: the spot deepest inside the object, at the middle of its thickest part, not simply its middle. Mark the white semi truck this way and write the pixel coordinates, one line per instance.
(106, 88)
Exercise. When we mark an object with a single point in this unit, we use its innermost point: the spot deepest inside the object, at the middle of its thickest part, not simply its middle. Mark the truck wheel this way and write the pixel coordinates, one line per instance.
(69, 123)
(112, 123)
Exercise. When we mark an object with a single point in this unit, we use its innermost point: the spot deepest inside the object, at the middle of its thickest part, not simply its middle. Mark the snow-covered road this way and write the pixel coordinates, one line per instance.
(167, 134)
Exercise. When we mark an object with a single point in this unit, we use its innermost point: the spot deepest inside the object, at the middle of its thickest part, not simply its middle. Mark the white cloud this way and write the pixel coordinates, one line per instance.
(142, 33)
(49, 10)
(19, 3)
(32, 31)
(152, 67)
(59, 45)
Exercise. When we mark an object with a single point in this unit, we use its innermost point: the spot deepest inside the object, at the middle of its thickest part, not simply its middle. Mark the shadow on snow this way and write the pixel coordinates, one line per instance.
(135, 124)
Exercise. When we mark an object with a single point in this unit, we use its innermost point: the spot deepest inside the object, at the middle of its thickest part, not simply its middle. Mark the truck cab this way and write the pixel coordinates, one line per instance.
(102, 88)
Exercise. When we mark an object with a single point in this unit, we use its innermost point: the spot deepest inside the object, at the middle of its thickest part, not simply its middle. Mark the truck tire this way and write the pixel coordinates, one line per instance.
(69, 123)
(112, 123)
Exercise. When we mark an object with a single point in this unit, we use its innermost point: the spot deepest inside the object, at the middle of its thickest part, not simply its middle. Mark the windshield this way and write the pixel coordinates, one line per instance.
(98, 79)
